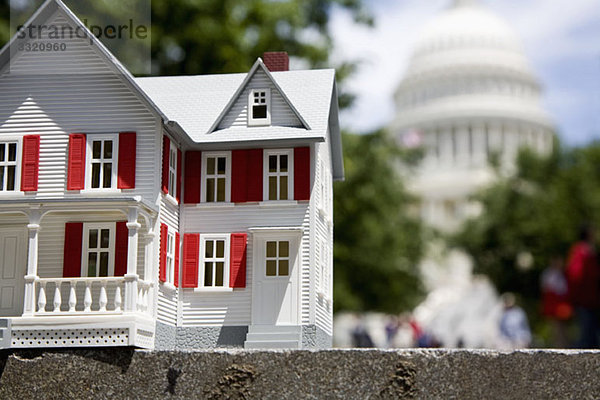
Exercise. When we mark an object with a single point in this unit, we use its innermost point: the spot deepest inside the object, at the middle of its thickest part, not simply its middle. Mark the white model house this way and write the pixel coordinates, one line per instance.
(164, 213)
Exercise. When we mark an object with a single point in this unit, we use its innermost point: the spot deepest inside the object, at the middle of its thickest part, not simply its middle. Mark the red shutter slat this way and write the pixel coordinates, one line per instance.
(178, 196)
(31, 163)
(302, 173)
(191, 258)
(254, 188)
(162, 271)
(121, 243)
(127, 160)
(76, 167)
(176, 269)
(165, 165)
(237, 267)
(72, 250)
(239, 180)
(193, 166)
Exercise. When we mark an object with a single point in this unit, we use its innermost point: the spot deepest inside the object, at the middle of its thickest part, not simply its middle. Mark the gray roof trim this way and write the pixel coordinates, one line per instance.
(335, 135)
(257, 143)
(257, 64)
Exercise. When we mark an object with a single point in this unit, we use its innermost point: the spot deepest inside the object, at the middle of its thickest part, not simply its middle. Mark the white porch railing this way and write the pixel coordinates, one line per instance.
(89, 296)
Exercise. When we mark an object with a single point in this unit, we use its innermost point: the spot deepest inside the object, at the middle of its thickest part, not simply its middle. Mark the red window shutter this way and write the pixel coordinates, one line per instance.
(121, 243)
(31, 163)
(162, 271)
(302, 173)
(239, 180)
(237, 267)
(76, 167)
(165, 166)
(127, 160)
(178, 196)
(254, 187)
(191, 258)
(193, 166)
(176, 269)
(72, 250)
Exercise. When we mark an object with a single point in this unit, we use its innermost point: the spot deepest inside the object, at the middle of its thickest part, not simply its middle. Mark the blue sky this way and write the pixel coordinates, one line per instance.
(561, 39)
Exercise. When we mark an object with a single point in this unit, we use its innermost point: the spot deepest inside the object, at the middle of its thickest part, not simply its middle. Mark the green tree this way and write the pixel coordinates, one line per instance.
(377, 240)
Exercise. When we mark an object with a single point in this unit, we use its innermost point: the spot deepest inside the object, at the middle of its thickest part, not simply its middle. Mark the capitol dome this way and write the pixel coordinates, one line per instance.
(468, 92)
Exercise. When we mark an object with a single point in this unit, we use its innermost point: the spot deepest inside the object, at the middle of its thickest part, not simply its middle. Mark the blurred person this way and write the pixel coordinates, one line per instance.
(360, 335)
(583, 277)
(555, 301)
(514, 327)
(391, 330)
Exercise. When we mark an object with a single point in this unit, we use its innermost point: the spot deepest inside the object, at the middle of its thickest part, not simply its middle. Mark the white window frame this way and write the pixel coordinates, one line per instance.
(322, 272)
(17, 163)
(90, 138)
(259, 121)
(267, 174)
(278, 258)
(87, 226)
(204, 176)
(170, 267)
(226, 260)
(172, 179)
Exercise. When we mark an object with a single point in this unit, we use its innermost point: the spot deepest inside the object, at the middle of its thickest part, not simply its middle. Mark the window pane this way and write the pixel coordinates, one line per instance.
(95, 175)
(219, 274)
(208, 266)
(271, 249)
(284, 249)
(171, 183)
(96, 149)
(283, 188)
(284, 267)
(271, 267)
(220, 248)
(210, 168)
(93, 239)
(107, 175)
(104, 238)
(210, 190)
(12, 152)
(108, 149)
(272, 188)
(259, 112)
(283, 163)
(221, 165)
(221, 189)
(1, 178)
(272, 163)
(92, 258)
(104, 264)
(2, 152)
(208, 253)
(10, 178)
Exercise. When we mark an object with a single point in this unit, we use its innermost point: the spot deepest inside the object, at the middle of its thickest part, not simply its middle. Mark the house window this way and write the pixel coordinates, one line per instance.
(172, 170)
(323, 272)
(170, 258)
(103, 161)
(215, 261)
(279, 172)
(216, 177)
(259, 104)
(277, 258)
(98, 250)
(8, 166)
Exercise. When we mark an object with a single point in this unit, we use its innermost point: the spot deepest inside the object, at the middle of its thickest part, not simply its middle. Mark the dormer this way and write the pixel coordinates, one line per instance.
(259, 107)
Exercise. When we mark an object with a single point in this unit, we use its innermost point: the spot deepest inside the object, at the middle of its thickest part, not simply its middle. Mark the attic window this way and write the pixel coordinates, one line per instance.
(259, 107)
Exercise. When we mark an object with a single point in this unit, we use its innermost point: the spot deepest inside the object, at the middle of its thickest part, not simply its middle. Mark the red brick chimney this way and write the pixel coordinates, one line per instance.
(276, 61)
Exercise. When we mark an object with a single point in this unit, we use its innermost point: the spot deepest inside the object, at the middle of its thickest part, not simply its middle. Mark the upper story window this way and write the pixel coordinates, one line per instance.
(98, 250)
(102, 160)
(8, 166)
(259, 107)
(170, 270)
(278, 182)
(214, 264)
(216, 177)
(172, 170)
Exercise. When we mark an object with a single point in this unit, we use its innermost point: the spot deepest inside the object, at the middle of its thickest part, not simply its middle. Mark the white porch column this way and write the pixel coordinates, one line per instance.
(33, 227)
(131, 277)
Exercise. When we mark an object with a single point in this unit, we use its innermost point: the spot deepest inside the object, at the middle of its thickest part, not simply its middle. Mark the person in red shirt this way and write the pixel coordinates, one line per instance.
(583, 276)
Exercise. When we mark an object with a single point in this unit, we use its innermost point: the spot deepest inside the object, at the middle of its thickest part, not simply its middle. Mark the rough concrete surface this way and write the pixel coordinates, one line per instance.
(345, 374)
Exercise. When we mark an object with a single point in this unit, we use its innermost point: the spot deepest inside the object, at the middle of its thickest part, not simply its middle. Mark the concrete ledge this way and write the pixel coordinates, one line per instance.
(346, 374)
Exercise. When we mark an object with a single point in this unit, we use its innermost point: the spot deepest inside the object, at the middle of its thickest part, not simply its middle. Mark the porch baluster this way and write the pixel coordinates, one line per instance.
(57, 297)
(87, 299)
(103, 297)
(42, 298)
(118, 298)
(72, 296)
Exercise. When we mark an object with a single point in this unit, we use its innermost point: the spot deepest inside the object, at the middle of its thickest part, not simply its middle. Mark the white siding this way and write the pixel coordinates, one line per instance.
(281, 113)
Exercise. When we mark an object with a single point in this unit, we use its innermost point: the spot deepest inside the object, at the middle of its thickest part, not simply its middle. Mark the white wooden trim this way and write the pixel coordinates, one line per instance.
(289, 174)
(259, 121)
(203, 239)
(205, 156)
(90, 138)
(111, 247)
(172, 170)
(18, 163)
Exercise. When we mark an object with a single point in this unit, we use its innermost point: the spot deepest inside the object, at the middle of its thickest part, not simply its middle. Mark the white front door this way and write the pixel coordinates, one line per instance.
(13, 261)
(276, 279)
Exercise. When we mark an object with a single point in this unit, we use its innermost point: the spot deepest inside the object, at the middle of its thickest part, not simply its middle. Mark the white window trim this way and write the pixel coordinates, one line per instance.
(260, 121)
(200, 284)
(172, 170)
(266, 174)
(88, 163)
(205, 156)
(112, 226)
(19, 162)
(170, 256)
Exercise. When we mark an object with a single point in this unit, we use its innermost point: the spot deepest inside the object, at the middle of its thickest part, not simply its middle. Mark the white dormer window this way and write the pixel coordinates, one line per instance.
(259, 107)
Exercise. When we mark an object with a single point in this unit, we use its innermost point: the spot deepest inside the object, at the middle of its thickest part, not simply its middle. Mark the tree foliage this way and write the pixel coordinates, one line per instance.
(377, 240)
